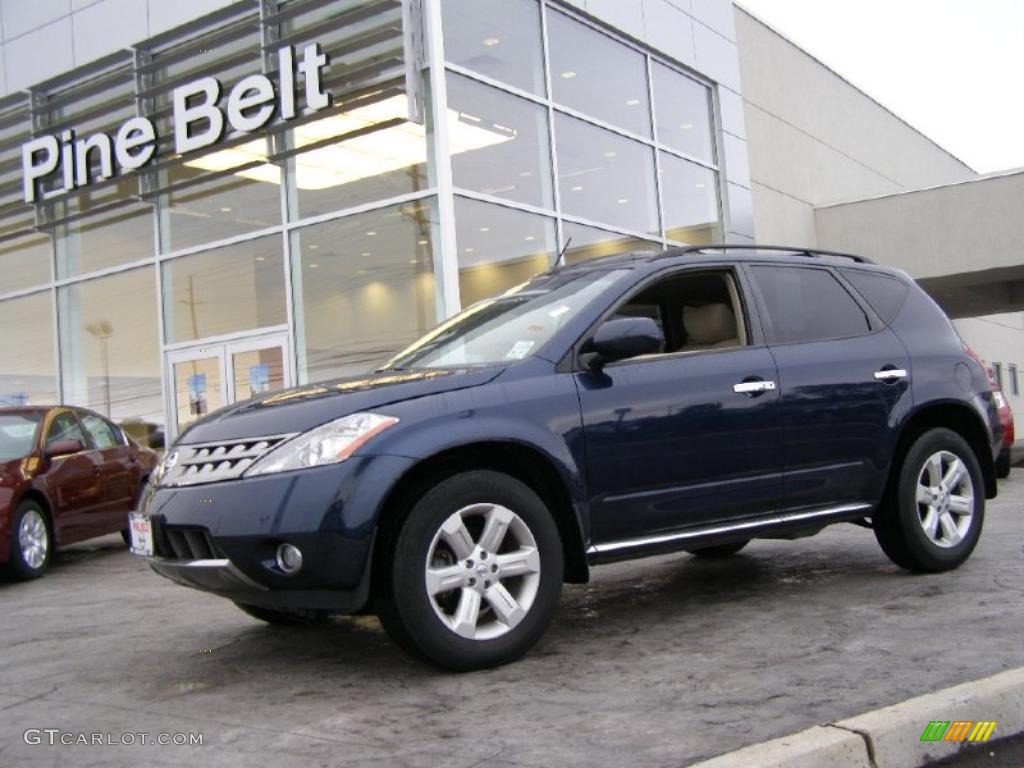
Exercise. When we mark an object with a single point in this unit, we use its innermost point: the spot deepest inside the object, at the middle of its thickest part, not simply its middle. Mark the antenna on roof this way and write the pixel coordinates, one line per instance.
(561, 253)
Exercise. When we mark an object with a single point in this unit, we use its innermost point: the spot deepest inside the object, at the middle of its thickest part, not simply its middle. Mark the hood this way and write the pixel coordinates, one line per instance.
(302, 408)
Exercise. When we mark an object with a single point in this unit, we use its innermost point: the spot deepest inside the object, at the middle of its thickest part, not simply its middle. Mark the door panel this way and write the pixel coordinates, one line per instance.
(837, 416)
(198, 388)
(72, 482)
(119, 474)
(671, 444)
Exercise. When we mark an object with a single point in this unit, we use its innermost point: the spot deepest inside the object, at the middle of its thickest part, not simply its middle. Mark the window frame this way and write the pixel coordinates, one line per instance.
(750, 312)
(875, 324)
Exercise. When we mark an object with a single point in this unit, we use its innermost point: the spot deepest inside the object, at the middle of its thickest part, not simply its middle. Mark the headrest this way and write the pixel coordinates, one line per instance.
(710, 324)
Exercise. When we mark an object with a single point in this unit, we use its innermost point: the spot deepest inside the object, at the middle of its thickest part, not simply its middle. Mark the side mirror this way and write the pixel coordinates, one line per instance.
(62, 448)
(624, 338)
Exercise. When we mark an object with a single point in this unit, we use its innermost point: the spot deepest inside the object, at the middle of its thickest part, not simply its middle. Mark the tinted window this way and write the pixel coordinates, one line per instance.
(103, 435)
(65, 427)
(885, 294)
(808, 304)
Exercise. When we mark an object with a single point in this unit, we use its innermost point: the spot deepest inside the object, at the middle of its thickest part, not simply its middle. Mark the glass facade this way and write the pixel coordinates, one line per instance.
(329, 241)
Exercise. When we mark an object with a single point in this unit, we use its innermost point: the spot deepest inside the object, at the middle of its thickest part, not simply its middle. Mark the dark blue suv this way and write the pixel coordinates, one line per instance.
(628, 406)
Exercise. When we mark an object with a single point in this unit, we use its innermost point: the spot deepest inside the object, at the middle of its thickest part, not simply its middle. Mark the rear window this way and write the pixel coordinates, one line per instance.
(885, 294)
(808, 305)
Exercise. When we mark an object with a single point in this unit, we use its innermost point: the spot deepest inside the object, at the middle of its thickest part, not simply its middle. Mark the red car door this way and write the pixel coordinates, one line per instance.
(119, 474)
(72, 481)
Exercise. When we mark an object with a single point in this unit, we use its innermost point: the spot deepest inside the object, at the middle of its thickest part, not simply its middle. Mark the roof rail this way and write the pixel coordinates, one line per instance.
(809, 252)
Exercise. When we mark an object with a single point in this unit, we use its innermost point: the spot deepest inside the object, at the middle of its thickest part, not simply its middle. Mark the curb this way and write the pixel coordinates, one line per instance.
(890, 737)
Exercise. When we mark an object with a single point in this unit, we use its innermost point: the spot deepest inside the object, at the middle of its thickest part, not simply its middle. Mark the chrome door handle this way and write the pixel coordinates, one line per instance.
(751, 387)
(891, 374)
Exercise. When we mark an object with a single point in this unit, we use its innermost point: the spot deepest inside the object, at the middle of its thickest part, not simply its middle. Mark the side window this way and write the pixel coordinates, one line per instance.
(696, 310)
(103, 434)
(808, 304)
(65, 427)
(885, 294)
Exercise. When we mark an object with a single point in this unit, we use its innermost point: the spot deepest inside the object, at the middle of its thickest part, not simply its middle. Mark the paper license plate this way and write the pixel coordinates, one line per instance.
(141, 533)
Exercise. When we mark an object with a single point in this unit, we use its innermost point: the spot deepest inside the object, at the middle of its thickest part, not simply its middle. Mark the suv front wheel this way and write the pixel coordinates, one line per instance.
(933, 520)
(475, 573)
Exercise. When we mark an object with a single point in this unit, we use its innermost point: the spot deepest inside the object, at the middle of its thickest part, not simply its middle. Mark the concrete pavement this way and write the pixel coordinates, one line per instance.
(655, 663)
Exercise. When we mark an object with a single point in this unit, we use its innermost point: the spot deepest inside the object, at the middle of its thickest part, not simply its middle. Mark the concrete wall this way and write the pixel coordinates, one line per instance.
(815, 139)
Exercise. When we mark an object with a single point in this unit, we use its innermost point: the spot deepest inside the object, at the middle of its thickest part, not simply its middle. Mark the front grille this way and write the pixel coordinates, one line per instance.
(177, 542)
(213, 462)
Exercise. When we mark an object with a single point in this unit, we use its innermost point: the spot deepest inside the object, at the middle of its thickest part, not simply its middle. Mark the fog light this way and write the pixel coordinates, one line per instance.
(289, 558)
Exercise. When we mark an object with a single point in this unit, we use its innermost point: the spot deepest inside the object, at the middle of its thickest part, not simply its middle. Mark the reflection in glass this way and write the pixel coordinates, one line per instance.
(683, 109)
(597, 75)
(197, 389)
(593, 243)
(213, 209)
(517, 167)
(499, 247)
(689, 194)
(605, 177)
(497, 38)
(235, 288)
(110, 351)
(28, 375)
(256, 371)
(25, 262)
(117, 236)
(364, 286)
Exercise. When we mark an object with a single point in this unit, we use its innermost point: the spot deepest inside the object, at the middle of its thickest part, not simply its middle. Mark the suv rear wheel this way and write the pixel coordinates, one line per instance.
(933, 520)
(475, 573)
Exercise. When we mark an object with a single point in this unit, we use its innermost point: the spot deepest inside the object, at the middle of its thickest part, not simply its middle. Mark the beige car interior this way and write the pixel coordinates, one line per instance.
(697, 311)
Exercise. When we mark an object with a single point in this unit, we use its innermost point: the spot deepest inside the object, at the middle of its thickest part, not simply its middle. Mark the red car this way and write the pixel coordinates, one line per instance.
(1004, 460)
(66, 474)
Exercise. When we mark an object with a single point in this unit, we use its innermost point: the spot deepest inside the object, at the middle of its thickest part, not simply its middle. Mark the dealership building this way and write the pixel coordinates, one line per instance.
(203, 200)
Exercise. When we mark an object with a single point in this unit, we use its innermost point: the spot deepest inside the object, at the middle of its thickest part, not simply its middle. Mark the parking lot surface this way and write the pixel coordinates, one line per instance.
(654, 663)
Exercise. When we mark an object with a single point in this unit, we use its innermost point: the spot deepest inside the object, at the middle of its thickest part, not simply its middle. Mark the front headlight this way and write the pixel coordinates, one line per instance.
(169, 461)
(327, 444)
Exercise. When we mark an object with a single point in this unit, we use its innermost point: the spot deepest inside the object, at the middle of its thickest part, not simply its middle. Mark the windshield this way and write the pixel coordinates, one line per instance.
(509, 327)
(18, 434)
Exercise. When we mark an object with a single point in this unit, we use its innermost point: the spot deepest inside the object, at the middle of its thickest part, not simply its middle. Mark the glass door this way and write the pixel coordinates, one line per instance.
(206, 377)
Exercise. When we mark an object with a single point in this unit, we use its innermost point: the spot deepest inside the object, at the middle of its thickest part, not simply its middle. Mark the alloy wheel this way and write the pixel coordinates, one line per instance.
(482, 571)
(34, 539)
(945, 499)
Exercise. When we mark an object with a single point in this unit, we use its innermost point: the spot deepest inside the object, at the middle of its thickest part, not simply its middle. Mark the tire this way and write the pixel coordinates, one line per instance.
(938, 530)
(291, 618)
(513, 582)
(126, 535)
(1003, 464)
(719, 550)
(31, 542)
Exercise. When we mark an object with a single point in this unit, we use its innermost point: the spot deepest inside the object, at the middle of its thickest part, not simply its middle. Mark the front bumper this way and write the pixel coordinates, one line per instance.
(222, 537)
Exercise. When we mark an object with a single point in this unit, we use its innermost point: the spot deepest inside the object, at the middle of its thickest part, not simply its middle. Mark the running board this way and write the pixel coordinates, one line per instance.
(680, 539)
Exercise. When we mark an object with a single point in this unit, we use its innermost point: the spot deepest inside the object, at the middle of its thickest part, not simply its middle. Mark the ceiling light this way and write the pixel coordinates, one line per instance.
(370, 154)
(610, 154)
(700, 186)
(470, 250)
(529, 238)
(577, 188)
(365, 254)
(413, 261)
(687, 126)
(622, 200)
(525, 173)
(225, 210)
(485, 229)
(371, 233)
(490, 42)
(313, 266)
(568, 75)
(632, 102)
(313, 247)
(261, 258)
(422, 242)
